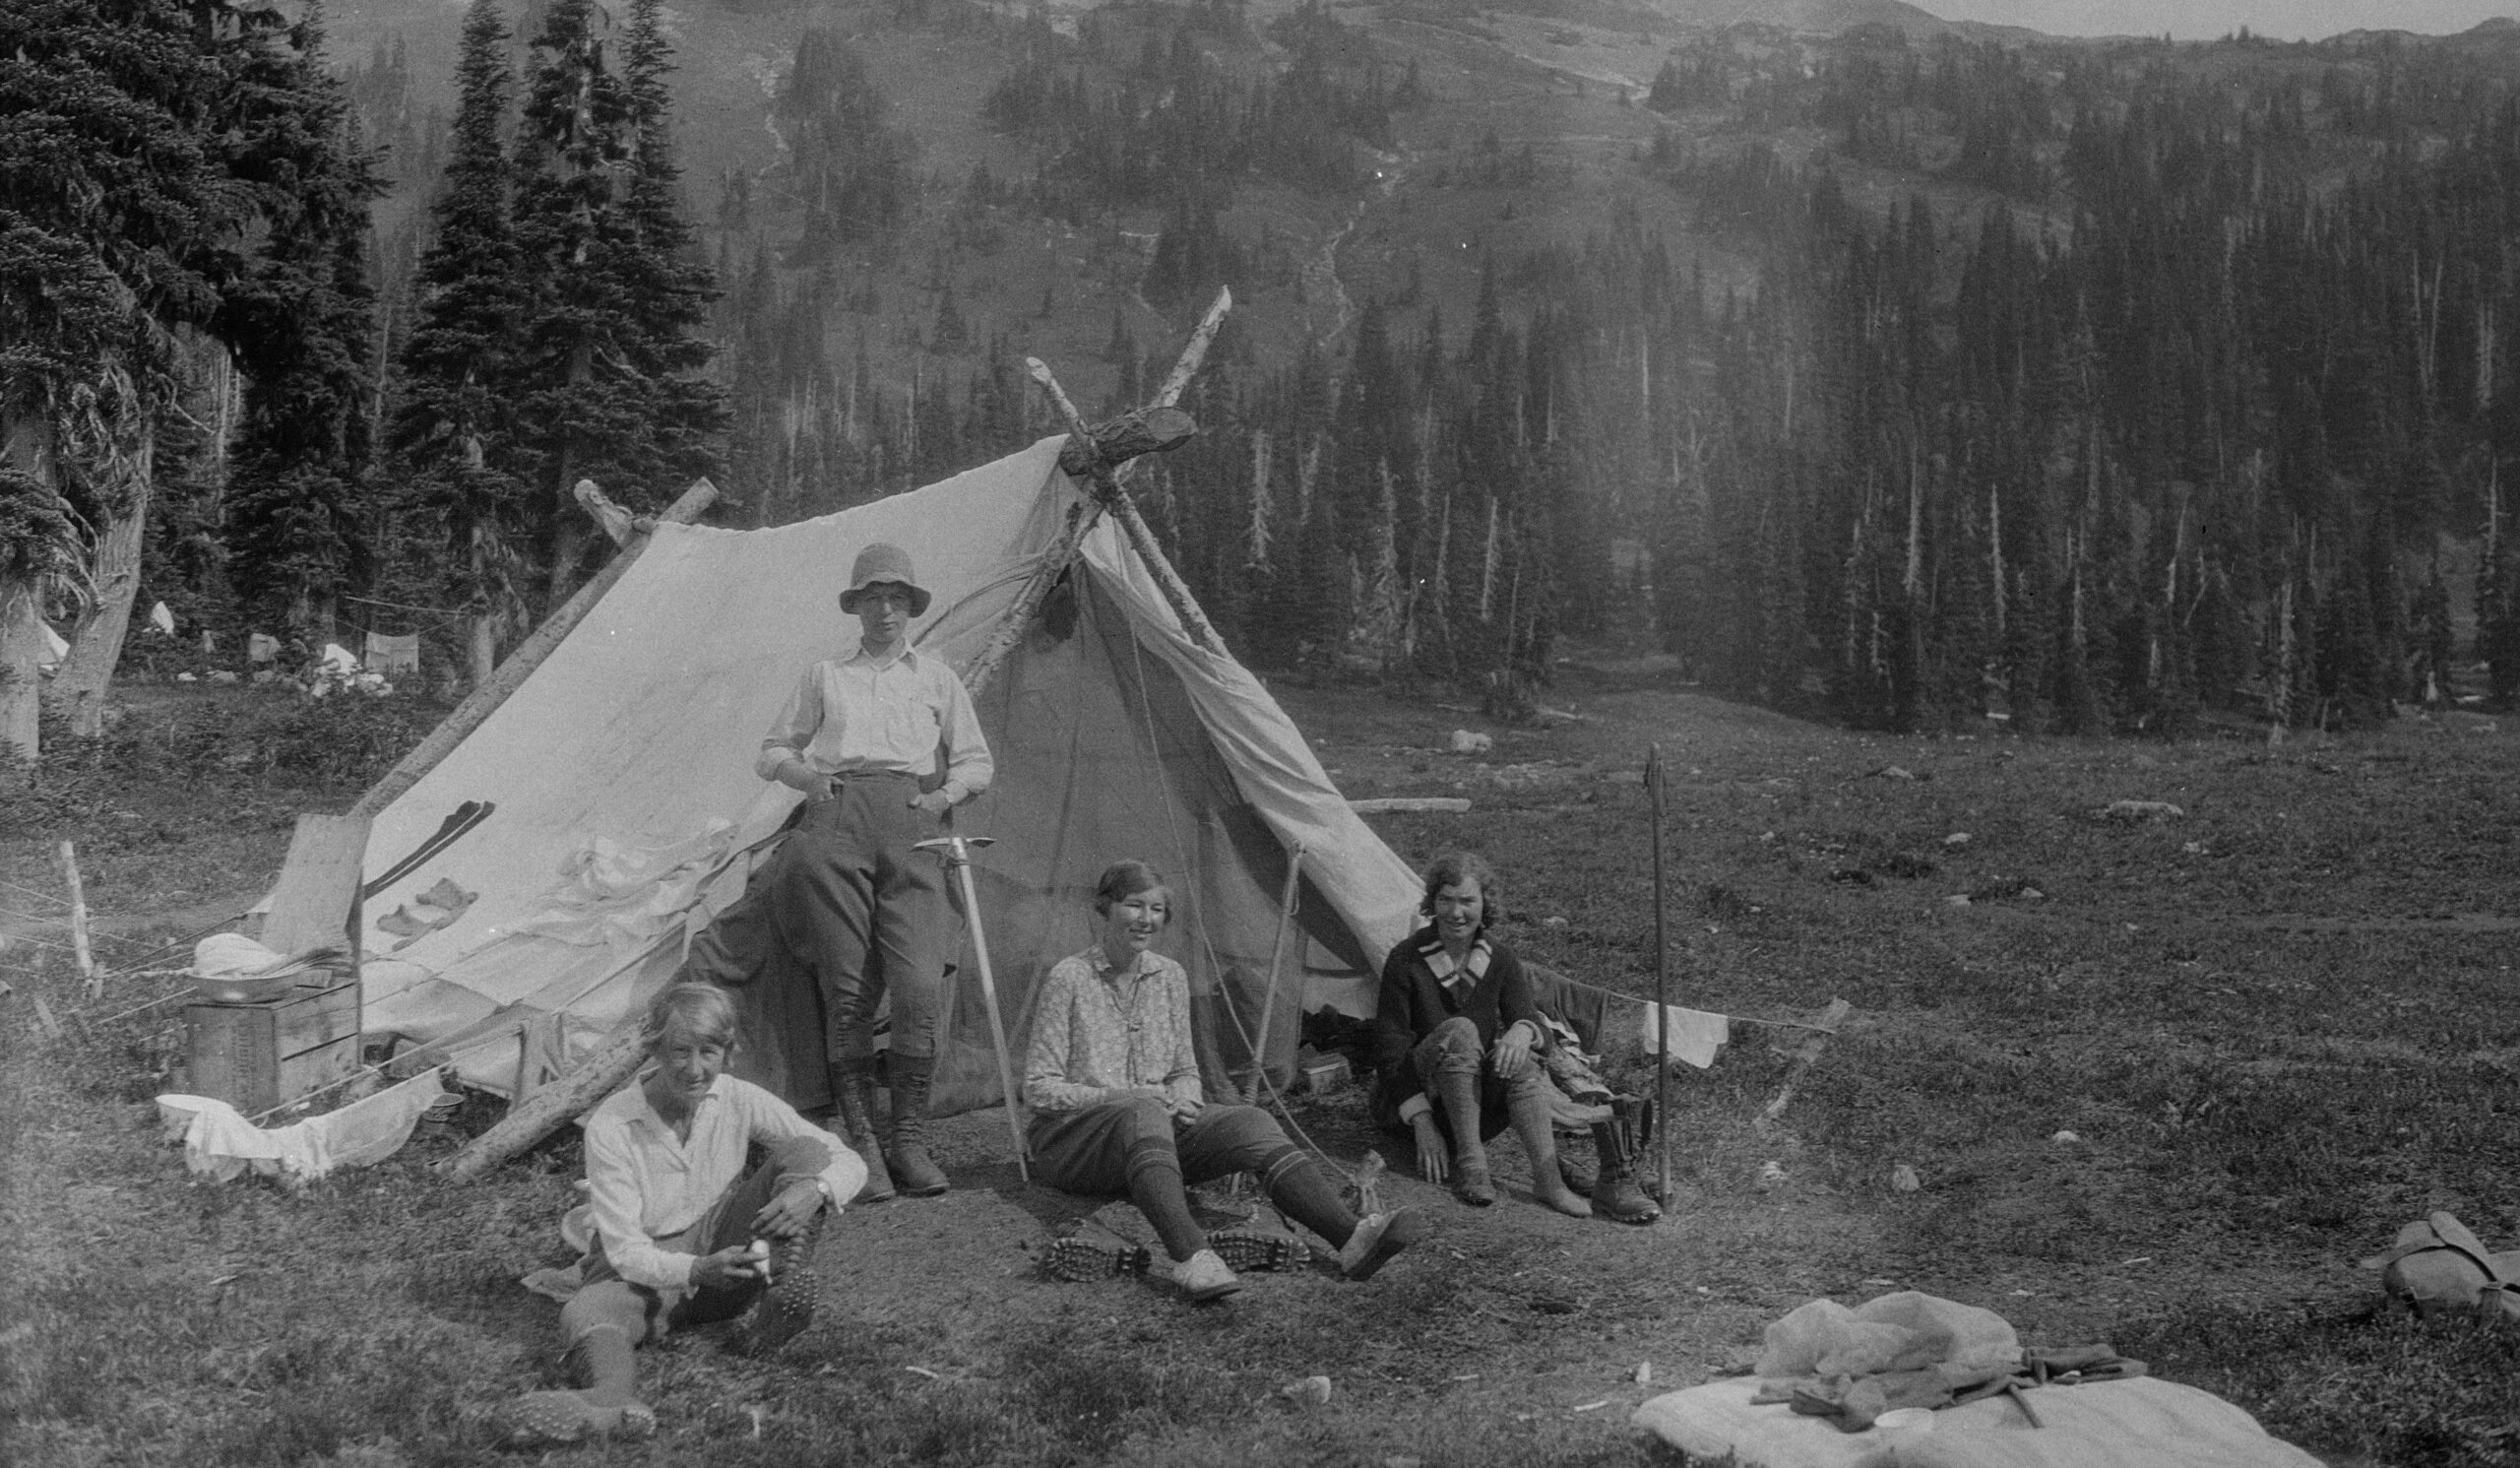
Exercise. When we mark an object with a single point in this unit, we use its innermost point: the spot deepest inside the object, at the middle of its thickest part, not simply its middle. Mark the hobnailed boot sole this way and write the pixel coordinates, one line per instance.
(557, 1419)
(786, 1307)
(1080, 1259)
(1246, 1249)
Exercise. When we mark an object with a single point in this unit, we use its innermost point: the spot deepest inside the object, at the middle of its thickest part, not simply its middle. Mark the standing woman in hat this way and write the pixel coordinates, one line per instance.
(863, 738)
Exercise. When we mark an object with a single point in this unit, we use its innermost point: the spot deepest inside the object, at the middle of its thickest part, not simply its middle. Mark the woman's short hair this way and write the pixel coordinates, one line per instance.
(1124, 879)
(1453, 868)
(705, 1010)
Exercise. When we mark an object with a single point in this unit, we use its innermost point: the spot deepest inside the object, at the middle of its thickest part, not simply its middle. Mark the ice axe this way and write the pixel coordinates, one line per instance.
(957, 852)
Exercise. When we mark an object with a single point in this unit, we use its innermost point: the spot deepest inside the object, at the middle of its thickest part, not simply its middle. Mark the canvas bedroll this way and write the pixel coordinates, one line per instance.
(627, 813)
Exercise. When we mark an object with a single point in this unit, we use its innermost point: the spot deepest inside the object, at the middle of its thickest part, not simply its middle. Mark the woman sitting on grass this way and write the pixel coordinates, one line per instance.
(1457, 1042)
(1119, 1112)
(682, 1235)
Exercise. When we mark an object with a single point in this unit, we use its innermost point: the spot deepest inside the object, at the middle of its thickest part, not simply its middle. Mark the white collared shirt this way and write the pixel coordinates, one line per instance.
(644, 1184)
(862, 713)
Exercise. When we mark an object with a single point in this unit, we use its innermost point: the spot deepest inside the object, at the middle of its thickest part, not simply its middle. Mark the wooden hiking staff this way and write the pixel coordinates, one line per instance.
(1662, 982)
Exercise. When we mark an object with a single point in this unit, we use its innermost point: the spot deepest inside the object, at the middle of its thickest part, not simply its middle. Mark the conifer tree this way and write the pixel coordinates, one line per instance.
(455, 424)
(302, 324)
(129, 208)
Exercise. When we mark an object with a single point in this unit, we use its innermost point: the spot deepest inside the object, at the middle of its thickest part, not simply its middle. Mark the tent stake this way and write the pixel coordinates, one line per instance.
(79, 950)
(1661, 977)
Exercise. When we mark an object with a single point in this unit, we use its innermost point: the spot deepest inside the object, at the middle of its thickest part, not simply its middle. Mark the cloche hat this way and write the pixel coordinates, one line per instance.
(884, 562)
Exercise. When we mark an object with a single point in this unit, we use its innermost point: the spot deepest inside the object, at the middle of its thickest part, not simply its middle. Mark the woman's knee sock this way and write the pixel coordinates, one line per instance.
(603, 1361)
(1298, 1185)
(1154, 1186)
(1458, 1091)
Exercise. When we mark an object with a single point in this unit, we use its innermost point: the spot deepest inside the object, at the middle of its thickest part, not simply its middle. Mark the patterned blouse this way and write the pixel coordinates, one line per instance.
(1097, 1030)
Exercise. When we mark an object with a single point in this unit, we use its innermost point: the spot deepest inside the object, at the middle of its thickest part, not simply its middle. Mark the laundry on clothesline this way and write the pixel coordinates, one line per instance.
(1696, 1034)
(392, 656)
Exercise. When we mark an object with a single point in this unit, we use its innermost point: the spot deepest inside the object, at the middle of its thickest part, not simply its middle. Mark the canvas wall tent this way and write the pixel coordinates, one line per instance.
(627, 811)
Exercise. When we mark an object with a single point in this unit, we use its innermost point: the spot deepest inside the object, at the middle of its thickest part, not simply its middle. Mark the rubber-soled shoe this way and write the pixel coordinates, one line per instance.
(1380, 1236)
(1080, 1257)
(1203, 1277)
(1259, 1249)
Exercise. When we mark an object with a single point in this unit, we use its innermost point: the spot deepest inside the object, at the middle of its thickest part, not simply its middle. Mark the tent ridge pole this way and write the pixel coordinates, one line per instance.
(484, 700)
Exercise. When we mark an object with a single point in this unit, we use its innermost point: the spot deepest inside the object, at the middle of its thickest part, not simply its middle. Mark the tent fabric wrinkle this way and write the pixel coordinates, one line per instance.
(628, 815)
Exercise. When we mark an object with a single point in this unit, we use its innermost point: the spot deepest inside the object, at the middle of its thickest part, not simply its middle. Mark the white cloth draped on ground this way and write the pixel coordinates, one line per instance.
(2145, 1422)
(220, 1141)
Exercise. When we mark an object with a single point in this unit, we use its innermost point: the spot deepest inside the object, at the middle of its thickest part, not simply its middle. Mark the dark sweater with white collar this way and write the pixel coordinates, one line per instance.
(1488, 988)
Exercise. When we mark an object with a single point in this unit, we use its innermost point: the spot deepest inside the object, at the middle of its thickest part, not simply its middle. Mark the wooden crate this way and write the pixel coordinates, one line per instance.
(260, 1055)
(256, 1057)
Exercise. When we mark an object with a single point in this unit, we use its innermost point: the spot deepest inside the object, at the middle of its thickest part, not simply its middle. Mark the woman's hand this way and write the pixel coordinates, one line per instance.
(1511, 1055)
(1184, 1108)
(795, 774)
(1434, 1160)
(726, 1269)
(786, 1216)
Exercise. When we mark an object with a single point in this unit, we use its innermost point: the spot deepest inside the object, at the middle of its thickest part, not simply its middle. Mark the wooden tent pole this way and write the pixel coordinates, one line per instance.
(1107, 490)
(1178, 381)
(1654, 777)
(1081, 516)
(528, 655)
(1028, 601)
(1277, 957)
(532, 1117)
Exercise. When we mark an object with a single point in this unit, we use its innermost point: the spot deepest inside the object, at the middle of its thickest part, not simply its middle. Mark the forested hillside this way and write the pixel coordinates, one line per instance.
(1891, 371)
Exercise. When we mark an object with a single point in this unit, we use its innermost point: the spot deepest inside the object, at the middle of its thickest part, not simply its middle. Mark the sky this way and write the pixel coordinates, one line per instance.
(2204, 20)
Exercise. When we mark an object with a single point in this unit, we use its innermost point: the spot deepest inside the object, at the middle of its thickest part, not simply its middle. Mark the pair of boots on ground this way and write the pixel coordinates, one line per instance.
(603, 1345)
(1203, 1265)
(895, 1152)
(1610, 1191)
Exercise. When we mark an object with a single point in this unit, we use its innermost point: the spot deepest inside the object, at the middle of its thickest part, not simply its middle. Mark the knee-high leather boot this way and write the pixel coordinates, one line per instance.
(1615, 1195)
(1458, 1091)
(853, 1089)
(905, 1133)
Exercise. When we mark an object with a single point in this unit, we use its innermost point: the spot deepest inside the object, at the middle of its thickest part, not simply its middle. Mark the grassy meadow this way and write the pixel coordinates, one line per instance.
(2276, 1027)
